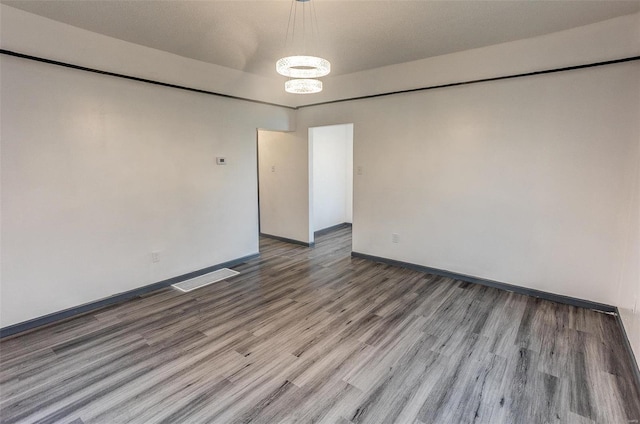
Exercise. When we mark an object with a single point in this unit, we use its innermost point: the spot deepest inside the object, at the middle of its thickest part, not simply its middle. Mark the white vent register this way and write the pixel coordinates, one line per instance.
(204, 280)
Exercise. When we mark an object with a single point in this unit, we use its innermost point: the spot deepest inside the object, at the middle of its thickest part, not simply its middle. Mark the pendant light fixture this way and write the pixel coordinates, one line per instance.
(302, 69)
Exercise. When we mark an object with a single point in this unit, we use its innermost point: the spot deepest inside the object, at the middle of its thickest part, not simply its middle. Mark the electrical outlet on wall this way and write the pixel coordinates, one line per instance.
(359, 170)
(273, 168)
(395, 238)
(155, 257)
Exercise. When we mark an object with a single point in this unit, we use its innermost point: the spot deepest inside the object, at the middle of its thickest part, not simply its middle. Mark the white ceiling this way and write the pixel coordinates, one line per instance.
(354, 35)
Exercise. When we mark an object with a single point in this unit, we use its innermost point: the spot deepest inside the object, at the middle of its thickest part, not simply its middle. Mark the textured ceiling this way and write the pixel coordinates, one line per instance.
(354, 35)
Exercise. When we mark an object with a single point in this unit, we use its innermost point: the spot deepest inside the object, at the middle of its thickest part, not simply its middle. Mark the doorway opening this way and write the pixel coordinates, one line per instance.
(330, 178)
(305, 183)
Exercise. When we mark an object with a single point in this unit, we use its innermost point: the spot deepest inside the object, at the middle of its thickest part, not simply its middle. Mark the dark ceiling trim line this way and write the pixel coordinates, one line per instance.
(455, 84)
(129, 77)
(370, 96)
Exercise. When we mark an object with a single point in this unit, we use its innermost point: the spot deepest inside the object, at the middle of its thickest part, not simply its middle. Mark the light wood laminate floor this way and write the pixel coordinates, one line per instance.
(312, 335)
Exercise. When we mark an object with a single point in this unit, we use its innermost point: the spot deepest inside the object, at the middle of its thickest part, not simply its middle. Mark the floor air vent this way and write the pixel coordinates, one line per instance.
(205, 280)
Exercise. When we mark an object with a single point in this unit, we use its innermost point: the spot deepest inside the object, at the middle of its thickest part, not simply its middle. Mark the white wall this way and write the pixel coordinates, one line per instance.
(332, 148)
(525, 181)
(284, 185)
(97, 172)
(629, 293)
(349, 171)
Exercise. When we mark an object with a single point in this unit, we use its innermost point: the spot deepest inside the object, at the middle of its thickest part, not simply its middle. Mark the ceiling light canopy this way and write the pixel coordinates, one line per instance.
(302, 68)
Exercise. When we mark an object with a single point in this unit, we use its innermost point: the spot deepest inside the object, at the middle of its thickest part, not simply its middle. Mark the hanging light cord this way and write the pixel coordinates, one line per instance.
(300, 68)
(286, 34)
(291, 26)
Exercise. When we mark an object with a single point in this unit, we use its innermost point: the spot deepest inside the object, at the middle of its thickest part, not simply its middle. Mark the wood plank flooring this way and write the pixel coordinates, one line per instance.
(312, 335)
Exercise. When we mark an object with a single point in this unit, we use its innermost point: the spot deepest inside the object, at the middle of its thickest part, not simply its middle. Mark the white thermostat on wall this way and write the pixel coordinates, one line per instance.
(221, 161)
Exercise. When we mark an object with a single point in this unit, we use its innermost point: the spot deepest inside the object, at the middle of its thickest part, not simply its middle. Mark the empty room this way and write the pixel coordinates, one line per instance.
(319, 211)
